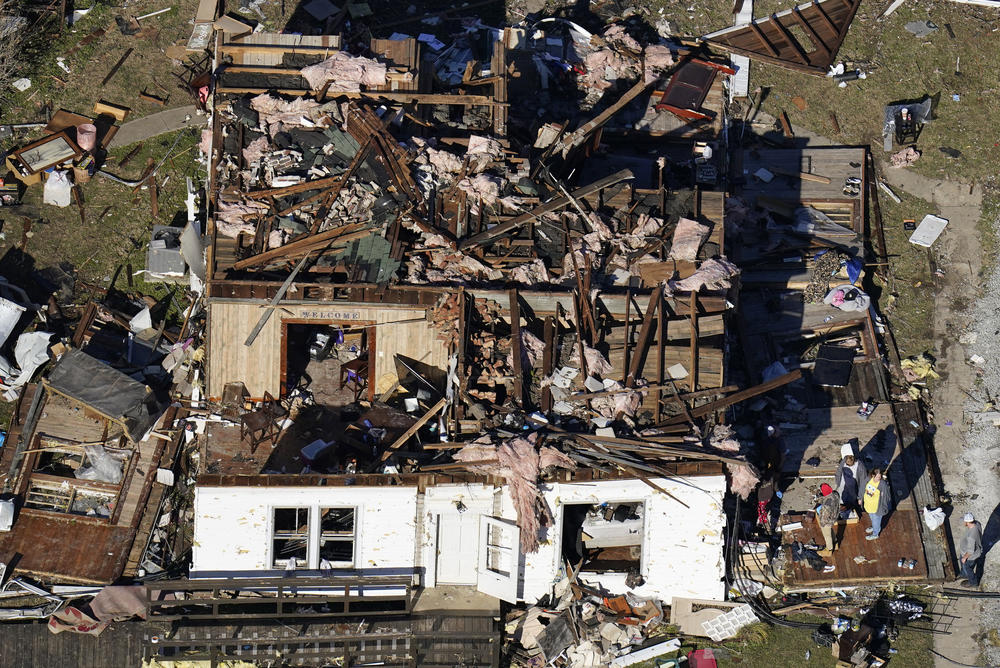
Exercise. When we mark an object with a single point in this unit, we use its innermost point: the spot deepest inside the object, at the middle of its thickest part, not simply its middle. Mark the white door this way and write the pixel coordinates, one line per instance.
(457, 543)
(499, 558)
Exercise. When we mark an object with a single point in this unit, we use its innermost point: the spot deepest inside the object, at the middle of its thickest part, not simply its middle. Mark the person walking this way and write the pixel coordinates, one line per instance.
(876, 502)
(851, 474)
(827, 515)
(971, 550)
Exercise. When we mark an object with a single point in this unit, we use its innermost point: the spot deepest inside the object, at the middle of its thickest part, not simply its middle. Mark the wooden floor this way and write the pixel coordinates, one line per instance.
(827, 429)
(900, 538)
(227, 454)
(835, 163)
(32, 644)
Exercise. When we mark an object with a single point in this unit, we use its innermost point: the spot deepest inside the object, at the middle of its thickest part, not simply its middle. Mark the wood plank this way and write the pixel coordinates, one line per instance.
(552, 205)
(399, 442)
(642, 342)
(515, 339)
(736, 398)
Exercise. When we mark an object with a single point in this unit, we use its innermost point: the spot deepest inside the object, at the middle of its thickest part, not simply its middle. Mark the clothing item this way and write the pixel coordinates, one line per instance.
(876, 524)
(872, 494)
(972, 541)
(846, 450)
(850, 475)
(829, 510)
(825, 489)
(827, 531)
(876, 498)
(969, 569)
(968, 517)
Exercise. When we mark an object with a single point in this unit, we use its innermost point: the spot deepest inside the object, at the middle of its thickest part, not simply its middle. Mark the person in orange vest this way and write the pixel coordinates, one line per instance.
(876, 501)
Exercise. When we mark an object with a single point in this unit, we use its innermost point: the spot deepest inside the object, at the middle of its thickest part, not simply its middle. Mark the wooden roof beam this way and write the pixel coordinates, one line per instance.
(799, 53)
(763, 39)
(812, 34)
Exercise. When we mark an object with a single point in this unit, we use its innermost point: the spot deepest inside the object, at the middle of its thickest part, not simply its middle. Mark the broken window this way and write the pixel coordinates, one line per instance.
(604, 538)
(336, 538)
(290, 537)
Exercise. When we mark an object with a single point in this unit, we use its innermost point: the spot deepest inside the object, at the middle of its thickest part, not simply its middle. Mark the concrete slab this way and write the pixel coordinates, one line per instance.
(157, 124)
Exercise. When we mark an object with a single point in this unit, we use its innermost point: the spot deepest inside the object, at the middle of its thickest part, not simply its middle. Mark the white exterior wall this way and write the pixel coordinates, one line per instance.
(682, 548)
(232, 526)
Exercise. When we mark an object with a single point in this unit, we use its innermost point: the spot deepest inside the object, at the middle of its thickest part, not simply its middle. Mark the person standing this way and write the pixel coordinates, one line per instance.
(876, 502)
(851, 474)
(827, 515)
(971, 550)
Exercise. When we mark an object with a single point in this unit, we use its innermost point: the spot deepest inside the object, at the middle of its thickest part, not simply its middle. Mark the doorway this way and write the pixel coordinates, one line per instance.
(331, 360)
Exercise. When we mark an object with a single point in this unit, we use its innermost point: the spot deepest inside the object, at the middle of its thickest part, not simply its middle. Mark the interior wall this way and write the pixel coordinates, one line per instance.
(259, 366)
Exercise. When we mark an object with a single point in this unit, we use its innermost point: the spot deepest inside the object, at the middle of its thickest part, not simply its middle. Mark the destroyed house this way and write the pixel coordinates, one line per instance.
(82, 456)
(416, 321)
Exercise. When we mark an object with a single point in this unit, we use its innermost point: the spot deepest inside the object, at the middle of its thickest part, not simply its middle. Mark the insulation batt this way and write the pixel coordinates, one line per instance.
(532, 348)
(274, 112)
(743, 478)
(519, 463)
(482, 151)
(255, 150)
(597, 363)
(657, 60)
(346, 72)
(689, 235)
(531, 273)
(712, 274)
(230, 216)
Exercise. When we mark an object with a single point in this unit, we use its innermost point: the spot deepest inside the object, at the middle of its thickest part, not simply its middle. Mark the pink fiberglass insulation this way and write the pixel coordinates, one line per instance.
(519, 463)
(346, 73)
(712, 274)
(689, 235)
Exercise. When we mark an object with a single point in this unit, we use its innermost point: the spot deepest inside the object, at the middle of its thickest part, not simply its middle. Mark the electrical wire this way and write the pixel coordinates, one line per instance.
(957, 663)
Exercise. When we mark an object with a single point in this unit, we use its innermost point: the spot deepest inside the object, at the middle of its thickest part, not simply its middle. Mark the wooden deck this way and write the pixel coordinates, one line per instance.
(835, 164)
(32, 644)
(900, 538)
(827, 429)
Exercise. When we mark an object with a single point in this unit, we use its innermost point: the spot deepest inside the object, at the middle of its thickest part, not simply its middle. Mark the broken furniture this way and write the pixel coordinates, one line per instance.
(689, 87)
(263, 424)
(354, 376)
(904, 131)
(29, 161)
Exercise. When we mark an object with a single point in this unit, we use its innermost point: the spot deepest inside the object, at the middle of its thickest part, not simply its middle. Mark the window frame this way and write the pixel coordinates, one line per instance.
(274, 560)
(313, 535)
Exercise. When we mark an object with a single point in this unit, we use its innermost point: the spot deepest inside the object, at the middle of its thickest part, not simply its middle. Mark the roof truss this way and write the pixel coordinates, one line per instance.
(805, 38)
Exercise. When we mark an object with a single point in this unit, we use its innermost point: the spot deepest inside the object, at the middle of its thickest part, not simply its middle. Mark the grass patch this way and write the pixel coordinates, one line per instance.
(901, 66)
(908, 298)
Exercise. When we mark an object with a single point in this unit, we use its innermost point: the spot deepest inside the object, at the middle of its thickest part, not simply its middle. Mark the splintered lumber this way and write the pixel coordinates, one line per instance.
(291, 190)
(804, 176)
(660, 386)
(642, 342)
(269, 309)
(117, 66)
(737, 397)
(334, 192)
(552, 205)
(580, 135)
(405, 436)
(515, 340)
(305, 244)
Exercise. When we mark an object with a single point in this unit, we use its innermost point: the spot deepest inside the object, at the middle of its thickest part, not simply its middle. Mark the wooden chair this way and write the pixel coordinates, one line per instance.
(263, 424)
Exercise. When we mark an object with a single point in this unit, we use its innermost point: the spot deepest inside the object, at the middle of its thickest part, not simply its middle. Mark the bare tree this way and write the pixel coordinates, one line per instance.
(13, 42)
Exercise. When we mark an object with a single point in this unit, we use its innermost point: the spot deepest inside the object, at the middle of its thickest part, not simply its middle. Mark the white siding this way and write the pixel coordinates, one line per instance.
(232, 525)
(681, 549)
